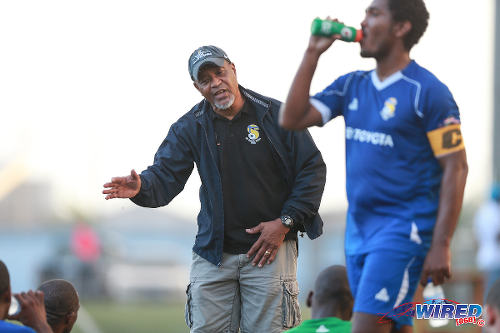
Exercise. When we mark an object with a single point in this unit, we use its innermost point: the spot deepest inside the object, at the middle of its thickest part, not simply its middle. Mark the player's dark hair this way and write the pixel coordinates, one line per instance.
(493, 297)
(60, 299)
(331, 287)
(413, 11)
(4, 278)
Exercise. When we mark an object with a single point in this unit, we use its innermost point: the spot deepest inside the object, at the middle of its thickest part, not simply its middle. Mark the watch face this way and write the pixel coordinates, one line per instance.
(287, 220)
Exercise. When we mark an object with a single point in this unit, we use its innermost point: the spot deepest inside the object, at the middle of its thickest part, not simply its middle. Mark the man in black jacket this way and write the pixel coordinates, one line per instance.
(260, 185)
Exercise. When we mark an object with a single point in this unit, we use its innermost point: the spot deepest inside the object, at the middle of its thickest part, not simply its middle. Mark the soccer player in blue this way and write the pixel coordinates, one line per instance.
(32, 313)
(406, 165)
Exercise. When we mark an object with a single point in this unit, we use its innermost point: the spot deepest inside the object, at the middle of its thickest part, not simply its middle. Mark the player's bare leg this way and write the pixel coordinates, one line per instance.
(364, 322)
(403, 329)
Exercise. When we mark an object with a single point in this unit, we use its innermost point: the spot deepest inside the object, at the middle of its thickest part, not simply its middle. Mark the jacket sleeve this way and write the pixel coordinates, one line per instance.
(309, 171)
(162, 181)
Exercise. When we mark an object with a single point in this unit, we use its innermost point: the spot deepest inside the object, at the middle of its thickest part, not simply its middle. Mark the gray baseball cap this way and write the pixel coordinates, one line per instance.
(205, 55)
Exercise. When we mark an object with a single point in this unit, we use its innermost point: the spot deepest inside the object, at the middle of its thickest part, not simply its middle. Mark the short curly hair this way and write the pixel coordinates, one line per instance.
(413, 11)
(61, 298)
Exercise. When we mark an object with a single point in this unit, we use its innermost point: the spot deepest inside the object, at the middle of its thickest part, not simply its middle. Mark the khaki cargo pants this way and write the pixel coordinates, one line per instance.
(239, 296)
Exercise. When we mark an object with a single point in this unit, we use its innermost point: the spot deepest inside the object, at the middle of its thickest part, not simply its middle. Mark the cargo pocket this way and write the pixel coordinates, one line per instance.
(187, 311)
(290, 306)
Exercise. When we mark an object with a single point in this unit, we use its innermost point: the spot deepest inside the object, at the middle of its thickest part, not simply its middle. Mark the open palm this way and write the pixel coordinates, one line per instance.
(123, 187)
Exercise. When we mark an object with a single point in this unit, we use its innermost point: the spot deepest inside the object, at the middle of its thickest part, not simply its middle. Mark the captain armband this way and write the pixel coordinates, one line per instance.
(446, 140)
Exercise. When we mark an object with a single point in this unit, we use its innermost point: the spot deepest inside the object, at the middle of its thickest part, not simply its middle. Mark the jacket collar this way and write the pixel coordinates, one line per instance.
(262, 105)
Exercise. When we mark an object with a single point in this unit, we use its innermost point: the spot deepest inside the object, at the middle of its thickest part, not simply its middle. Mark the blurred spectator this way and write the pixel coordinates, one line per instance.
(492, 309)
(61, 304)
(487, 230)
(331, 303)
(86, 246)
(32, 312)
(85, 243)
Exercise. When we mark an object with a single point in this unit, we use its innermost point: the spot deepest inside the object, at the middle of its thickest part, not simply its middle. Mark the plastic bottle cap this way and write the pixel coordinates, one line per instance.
(359, 35)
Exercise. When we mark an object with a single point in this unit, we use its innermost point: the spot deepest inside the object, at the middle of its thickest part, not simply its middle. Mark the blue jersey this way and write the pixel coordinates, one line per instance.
(395, 129)
(6, 327)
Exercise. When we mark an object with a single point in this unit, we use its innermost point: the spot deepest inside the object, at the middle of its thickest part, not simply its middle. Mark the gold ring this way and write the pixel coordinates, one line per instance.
(267, 253)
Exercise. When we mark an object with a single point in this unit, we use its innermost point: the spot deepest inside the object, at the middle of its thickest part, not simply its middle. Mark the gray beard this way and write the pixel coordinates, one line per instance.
(227, 105)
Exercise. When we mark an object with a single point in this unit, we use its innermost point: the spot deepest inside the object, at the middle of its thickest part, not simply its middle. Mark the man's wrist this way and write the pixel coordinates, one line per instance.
(43, 328)
(312, 54)
(287, 221)
(441, 242)
(284, 229)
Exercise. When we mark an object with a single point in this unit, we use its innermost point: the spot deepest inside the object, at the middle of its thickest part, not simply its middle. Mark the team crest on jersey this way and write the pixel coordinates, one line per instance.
(389, 109)
(253, 134)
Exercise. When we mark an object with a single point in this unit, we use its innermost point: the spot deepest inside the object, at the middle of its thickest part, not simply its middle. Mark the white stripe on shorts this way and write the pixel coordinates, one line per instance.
(405, 285)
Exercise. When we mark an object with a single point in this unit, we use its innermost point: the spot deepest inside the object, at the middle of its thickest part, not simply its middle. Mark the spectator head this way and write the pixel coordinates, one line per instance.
(331, 296)
(5, 293)
(61, 304)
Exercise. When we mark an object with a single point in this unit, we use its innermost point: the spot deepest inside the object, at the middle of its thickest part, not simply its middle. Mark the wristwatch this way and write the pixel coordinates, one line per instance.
(287, 221)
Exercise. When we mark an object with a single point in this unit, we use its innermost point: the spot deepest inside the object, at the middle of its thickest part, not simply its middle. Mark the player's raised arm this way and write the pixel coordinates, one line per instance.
(123, 187)
(297, 113)
(32, 311)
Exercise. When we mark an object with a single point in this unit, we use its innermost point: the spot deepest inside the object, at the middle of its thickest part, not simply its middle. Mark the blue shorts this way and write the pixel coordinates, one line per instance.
(383, 282)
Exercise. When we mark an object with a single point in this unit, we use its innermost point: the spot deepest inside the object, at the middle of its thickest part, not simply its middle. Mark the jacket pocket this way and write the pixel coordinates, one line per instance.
(187, 311)
(290, 307)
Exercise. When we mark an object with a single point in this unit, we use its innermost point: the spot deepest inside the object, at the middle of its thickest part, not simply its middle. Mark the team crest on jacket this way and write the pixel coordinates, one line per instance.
(389, 108)
(253, 134)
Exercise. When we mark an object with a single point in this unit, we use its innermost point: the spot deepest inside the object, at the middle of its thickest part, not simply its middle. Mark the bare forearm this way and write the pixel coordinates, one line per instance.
(450, 202)
(297, 104)
(43, 328)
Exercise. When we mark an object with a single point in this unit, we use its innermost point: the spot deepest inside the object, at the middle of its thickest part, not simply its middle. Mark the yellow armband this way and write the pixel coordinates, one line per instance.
(446, 140)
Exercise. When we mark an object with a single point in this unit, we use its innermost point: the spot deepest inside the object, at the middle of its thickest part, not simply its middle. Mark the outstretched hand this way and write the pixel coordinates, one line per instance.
(123, 187)
(32, 311)
(272, 234)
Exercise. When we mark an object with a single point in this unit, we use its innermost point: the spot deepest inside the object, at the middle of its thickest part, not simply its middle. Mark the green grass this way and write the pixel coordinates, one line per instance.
(136, 317)
(142, 317)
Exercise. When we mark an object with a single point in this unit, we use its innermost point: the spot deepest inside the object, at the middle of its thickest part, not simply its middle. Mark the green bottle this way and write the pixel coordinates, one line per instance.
(328, 28)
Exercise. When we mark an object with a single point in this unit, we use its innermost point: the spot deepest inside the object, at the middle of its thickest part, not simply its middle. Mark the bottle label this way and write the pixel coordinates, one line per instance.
(326, 27)
(346, 33)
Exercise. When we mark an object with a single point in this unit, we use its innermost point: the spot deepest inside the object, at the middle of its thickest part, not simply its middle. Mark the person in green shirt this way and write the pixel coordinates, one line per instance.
(331, 303)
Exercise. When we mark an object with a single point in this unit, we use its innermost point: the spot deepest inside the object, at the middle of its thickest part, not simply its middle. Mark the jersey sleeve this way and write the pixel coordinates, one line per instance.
(330, 101)
(442, 121)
